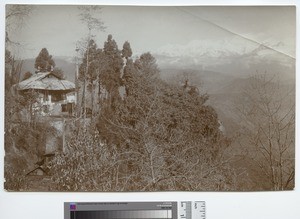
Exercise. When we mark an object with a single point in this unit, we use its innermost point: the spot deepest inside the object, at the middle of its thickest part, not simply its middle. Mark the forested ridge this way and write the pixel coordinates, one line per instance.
(156, 136)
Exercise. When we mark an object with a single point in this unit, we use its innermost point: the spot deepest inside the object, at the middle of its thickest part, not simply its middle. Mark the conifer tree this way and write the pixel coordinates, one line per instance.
(44, 61)
(111, 73)
(126, 51)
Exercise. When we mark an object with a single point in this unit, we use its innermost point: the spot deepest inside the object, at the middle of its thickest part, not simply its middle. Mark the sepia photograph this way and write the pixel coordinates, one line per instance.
(105, 98)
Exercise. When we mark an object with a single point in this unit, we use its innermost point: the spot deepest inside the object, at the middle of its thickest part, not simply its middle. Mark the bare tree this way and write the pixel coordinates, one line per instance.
(268, 114)
(15, 18)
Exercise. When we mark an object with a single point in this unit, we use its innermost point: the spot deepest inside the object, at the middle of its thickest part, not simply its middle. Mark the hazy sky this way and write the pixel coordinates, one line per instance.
(58, 28)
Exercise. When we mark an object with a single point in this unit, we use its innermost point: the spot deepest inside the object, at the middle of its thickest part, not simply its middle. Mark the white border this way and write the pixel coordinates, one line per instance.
(225, 205)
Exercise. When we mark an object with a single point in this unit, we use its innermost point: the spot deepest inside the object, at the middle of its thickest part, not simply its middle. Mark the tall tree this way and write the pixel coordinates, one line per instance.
(128, 77)
(44, 61)
(147, 65)
(89, 17)
(89, 74)
(110, 75)
(126, 51)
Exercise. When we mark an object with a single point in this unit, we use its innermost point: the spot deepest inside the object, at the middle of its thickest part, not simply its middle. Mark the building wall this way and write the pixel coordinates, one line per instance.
(47, 105)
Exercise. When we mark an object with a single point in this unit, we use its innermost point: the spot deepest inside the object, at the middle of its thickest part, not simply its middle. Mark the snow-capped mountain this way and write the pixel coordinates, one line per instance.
(235, 54)
(214, 48)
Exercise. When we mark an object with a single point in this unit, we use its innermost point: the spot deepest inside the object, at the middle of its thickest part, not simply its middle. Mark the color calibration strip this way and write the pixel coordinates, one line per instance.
(135, 210)
(138, 214)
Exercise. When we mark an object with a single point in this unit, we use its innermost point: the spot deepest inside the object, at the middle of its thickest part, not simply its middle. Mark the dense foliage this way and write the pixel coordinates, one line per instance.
(155, 136)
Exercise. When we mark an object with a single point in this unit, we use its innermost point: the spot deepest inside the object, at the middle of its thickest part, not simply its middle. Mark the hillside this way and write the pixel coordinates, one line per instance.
(226, 92)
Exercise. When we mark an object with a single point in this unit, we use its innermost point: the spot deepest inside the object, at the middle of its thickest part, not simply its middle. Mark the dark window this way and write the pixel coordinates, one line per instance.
(58, 97)
(64, 108)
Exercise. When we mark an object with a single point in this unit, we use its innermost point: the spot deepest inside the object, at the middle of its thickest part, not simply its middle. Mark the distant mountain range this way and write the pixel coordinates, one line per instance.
(235, 57)
(233, 47)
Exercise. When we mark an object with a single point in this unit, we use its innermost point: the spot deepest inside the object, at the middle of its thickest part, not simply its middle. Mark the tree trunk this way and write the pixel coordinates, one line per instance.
(92, 98)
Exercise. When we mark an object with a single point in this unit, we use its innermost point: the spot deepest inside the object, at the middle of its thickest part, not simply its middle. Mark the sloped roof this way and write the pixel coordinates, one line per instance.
(45, 81)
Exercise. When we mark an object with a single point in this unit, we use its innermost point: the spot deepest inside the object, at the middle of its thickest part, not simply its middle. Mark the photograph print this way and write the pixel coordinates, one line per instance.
(149, 98)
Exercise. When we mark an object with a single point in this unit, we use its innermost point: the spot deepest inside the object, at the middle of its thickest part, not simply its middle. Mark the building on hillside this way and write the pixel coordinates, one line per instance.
(56, 96)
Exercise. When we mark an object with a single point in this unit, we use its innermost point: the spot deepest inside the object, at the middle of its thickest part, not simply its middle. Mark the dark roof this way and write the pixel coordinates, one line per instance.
(45, 81)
